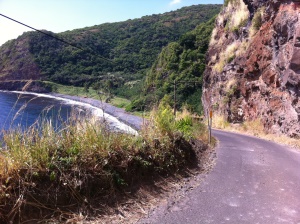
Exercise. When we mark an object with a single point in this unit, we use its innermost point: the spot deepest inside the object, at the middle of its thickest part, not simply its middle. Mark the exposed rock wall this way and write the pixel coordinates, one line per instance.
(254, 69)
(17, 63)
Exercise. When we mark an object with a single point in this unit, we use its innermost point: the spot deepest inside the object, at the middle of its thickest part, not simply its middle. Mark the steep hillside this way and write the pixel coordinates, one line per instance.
(132, 46)
(16, 61)
(183, 62)
(253, 70)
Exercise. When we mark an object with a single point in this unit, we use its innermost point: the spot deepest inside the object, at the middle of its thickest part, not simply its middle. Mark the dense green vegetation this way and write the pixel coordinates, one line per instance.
(88, 92)
(132, 46)
(183, 61)
(132, 70)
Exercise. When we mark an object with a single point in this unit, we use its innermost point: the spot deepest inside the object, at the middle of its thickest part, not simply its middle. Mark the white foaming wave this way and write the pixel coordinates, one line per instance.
(96, 111)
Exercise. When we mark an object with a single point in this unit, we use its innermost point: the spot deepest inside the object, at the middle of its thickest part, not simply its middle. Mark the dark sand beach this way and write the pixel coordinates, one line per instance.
(131, 120)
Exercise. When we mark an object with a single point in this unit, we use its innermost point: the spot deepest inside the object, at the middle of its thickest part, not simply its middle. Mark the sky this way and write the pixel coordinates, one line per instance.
(62, 15)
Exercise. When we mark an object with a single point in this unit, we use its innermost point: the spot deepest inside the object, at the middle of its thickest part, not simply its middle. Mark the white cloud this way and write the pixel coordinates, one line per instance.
(174, 2)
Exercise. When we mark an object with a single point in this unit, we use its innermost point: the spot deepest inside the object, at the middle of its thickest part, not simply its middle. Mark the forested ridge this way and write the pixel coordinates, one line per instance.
(131, 47)
(183, 62)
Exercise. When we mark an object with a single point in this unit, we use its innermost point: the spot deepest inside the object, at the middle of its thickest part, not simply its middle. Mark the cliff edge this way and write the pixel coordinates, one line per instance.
(253, 67)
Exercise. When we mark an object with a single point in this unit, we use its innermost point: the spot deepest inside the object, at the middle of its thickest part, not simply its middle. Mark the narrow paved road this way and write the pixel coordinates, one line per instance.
(254, 181)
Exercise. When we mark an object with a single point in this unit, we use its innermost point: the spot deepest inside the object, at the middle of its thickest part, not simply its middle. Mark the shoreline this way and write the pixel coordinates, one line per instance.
(35, 87)
(133, 121)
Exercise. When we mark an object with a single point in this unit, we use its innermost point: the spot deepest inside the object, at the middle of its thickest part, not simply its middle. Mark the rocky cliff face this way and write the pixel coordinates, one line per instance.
(17, 63)
(253, 67)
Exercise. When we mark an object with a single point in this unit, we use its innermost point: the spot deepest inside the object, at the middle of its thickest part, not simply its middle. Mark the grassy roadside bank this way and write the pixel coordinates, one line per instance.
(84, 168)
(254, 128)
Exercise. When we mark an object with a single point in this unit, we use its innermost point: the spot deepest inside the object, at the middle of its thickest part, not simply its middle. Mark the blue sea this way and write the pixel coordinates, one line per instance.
(22, 110)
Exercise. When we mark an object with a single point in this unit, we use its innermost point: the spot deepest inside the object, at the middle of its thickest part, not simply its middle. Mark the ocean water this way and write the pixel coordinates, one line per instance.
(22, 109)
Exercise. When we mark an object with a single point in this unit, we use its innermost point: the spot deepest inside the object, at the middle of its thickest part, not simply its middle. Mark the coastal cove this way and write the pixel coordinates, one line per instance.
(25, 108)
(120, 114)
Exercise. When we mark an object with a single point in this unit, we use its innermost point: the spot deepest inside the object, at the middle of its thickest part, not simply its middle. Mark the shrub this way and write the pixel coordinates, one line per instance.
(257, 20)
(185, 125)
(165, 120)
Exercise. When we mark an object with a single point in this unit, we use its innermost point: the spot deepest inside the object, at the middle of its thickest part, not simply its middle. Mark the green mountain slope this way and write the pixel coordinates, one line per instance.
(184, 62)
(132, 46)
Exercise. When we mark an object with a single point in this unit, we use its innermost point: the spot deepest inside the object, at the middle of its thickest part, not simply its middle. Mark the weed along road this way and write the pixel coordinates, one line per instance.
(253, 181)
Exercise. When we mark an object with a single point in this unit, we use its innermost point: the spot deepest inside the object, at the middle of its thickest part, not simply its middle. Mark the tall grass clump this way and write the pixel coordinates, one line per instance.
(226, 56)
(254, 127)
(220, 122)
(232, 18)
(257, 21)
(83, 166)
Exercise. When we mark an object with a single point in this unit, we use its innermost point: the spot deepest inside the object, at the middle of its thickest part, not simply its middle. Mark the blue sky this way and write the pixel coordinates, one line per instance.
(62, 15)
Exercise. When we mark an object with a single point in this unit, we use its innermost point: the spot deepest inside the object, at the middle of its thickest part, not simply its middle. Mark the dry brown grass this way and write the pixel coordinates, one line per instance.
(254, 128)
(240, 13)
(213, 40)
(235, 16)
(226, 56)
(243, 46)
(220, 122)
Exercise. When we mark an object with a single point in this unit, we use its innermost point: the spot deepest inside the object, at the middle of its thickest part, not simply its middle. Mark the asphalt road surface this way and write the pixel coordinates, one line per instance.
(253, 181)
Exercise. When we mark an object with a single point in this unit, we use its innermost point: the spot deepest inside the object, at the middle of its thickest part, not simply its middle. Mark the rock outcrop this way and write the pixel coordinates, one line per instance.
(253, 67)
(17, 62)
